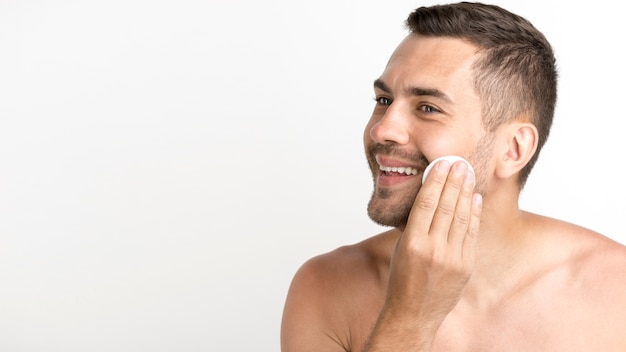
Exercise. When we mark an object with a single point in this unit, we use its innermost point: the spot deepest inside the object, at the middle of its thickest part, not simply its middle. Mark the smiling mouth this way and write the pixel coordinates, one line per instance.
(403, 171)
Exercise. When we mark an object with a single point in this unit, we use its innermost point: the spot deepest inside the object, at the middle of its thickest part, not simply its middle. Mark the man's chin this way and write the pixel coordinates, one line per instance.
(388, 217)
(388, 209)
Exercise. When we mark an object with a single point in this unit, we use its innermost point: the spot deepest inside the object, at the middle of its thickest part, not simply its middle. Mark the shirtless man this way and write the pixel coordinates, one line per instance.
(463, 269)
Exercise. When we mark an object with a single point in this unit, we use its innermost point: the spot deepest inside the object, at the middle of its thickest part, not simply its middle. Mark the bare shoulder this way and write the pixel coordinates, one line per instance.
(591, 250)
(328, 289)
(601, 263)
(576, 288)
(575, 241)
(593, 255)
(594, 281)
(600, 282)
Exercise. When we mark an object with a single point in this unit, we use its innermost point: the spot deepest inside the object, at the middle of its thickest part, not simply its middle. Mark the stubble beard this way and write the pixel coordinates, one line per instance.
(383, 210)
(389, 207)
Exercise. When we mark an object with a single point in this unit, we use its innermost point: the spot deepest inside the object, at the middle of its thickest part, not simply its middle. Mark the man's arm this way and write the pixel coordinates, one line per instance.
(432, 262)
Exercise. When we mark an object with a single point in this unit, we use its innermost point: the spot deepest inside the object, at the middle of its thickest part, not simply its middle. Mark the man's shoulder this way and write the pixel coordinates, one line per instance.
(351, 263)
(596, 265)
(603, 260)
(334, 289)
(593, 248)
(578, 242)
(584, 258)
(589, 248)
(598, 286)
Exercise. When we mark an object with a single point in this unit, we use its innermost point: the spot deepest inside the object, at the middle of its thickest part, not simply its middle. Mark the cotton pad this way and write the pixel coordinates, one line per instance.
(450, 158)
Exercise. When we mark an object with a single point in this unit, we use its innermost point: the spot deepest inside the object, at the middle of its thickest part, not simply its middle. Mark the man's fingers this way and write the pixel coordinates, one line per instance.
(446, 210)
(462, 211)
(427, 200)
(452, 216)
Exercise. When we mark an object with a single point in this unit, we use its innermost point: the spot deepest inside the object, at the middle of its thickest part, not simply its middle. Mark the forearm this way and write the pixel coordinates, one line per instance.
(393, 333)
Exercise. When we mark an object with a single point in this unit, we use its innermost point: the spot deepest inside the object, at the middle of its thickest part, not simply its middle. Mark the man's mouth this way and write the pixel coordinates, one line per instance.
(399, 171)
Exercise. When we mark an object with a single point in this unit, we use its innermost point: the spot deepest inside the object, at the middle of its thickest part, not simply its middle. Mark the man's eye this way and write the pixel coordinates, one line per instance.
(427, 109)
(383, 101)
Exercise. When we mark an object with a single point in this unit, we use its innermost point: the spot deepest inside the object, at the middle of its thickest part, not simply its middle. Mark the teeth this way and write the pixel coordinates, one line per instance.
(401, 170)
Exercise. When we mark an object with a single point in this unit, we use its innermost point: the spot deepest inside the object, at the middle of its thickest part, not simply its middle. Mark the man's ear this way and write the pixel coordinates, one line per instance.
(518, 143)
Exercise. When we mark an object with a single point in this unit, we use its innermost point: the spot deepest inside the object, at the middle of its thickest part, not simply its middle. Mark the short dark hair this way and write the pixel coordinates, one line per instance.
(516, 74)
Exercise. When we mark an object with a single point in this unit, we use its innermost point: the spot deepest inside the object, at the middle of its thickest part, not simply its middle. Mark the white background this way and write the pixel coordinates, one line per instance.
(166, 166)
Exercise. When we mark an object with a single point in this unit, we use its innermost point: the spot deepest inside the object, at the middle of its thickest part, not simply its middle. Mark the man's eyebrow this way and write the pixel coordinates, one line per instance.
(381, 85)
(415, 91)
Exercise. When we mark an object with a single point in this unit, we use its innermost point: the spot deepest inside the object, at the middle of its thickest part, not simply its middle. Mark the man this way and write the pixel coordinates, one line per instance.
(463, 269)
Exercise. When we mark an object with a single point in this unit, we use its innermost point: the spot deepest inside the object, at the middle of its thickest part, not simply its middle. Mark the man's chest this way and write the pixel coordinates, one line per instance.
(530, 326)
(554, 324)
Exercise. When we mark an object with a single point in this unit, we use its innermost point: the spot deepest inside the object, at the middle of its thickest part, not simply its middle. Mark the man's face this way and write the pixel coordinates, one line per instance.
(426, 107)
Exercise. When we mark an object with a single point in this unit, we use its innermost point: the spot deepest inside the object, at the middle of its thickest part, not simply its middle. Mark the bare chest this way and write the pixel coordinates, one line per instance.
(531, 323)
(554, 322)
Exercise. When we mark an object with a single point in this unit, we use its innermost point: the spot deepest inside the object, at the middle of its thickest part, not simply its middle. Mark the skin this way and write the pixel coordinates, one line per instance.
(463, 268)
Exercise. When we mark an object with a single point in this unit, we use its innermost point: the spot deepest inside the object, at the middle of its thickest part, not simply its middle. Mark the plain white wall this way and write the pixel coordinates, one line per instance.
(166, 166)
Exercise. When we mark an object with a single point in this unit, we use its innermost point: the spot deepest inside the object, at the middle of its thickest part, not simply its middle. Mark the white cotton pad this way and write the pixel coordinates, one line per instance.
(450, 158)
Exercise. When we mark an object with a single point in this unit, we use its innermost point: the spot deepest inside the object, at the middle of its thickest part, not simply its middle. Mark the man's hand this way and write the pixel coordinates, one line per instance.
(432, 262)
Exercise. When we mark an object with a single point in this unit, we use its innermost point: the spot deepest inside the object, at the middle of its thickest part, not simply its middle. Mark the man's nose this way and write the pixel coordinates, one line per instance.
(392, 127)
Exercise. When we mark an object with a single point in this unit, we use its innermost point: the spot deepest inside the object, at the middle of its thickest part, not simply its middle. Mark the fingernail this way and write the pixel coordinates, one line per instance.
(443, 165)
(460, 167)
(478, 199)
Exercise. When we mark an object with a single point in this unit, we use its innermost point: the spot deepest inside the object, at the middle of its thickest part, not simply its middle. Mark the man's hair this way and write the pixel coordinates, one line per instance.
(515, 75)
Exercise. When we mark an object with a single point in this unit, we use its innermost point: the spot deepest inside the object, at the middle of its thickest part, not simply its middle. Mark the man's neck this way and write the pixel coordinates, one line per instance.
(504, 254)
